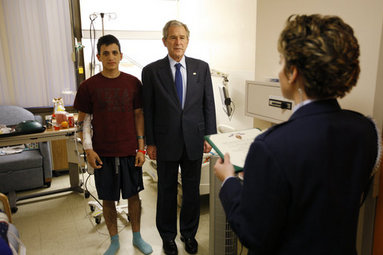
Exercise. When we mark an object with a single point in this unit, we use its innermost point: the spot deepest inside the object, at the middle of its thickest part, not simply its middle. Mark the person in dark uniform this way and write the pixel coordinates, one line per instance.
(304, 178)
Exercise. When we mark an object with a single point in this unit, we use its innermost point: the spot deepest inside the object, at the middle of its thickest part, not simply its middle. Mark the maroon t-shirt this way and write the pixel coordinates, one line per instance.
(112, 103)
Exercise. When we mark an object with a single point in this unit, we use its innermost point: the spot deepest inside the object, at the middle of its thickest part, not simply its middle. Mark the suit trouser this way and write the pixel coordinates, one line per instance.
(166, 218)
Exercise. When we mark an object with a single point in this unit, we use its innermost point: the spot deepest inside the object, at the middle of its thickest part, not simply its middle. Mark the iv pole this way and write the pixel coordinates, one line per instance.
(102, 22)
(92, 18)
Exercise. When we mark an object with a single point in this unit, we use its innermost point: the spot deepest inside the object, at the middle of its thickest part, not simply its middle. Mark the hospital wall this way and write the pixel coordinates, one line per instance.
(240, 38)
(223, 34)
(366, 17)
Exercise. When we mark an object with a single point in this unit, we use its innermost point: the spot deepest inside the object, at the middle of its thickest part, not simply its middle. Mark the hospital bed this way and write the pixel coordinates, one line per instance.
(150, 168)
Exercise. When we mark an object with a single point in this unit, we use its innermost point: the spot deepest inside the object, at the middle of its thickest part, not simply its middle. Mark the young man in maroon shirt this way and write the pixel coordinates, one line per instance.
(116, 150)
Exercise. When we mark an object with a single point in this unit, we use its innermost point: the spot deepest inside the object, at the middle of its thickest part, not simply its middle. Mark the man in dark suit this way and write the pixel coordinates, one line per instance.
(179, 111)
(304, 178)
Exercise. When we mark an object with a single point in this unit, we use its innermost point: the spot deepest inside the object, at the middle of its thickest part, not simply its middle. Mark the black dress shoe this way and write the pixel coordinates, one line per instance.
(191, 245)
(170, 247)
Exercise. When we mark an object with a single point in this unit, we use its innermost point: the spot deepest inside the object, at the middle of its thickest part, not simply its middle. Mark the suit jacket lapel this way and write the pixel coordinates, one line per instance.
(192, 74)
(165, 75)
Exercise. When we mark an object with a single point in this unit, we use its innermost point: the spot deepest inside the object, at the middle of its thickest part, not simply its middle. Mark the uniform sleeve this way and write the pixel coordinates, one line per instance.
(257, 211)
(82, 101)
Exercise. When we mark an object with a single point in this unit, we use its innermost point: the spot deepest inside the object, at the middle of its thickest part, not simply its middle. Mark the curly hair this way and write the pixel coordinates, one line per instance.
(325, 52)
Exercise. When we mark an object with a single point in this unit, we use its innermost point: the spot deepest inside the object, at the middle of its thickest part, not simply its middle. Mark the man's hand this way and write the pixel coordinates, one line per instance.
(93, 159)
(223, 168)
(140, 158)
(206, 147)
(151, 150)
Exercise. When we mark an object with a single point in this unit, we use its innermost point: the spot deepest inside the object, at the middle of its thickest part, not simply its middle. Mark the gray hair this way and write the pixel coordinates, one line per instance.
(174, 23)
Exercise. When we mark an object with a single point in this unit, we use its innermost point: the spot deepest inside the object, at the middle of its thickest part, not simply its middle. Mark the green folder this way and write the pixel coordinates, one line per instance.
(236, 143)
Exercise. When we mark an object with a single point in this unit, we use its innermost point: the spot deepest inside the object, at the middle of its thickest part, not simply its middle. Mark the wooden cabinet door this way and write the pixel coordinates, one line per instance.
(59, 155)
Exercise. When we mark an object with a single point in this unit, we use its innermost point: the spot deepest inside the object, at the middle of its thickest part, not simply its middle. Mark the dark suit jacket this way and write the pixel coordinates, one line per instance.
(167, 125)
(303, 183)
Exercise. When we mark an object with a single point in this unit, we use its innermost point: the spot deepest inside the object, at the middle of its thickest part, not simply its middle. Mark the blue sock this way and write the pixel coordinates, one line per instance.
(114, 246)
(143, 246)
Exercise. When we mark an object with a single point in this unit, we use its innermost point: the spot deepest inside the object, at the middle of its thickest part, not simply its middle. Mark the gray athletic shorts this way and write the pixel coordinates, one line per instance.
(118, 174)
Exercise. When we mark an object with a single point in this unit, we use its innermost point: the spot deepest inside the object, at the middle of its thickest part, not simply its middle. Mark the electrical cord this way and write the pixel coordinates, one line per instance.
(85, 169)
(89, 194)
(76, 141)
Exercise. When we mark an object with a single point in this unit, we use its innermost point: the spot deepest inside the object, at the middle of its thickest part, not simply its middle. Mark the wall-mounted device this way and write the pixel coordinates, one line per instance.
(280, 102)
(227, 103)
(264, 101)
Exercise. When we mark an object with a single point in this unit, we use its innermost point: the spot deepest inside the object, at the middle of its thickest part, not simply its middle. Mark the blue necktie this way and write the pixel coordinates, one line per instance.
(178, 80)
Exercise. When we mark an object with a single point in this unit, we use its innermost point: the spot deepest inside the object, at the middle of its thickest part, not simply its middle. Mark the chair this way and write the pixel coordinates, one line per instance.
(29, 169)
(13, 236)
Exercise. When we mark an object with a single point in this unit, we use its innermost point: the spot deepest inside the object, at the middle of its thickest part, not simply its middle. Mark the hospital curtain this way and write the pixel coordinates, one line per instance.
(35, 52)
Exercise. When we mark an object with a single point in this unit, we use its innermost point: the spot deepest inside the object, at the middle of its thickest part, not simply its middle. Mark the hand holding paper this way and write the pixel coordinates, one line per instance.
(206, 147)
(223, 168)
(235, 143)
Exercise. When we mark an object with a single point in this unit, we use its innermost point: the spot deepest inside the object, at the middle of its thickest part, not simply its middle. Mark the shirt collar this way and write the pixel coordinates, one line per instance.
(296, 107)
(173, 62)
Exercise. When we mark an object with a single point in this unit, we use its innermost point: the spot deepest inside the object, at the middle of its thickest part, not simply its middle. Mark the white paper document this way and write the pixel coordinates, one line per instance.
(235, 143)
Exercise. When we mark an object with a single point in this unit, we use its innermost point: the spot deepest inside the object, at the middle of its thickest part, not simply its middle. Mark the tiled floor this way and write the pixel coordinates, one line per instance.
(62, 224)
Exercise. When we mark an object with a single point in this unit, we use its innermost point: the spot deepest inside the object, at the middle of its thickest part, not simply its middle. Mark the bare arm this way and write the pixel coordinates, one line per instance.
(140, 131)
